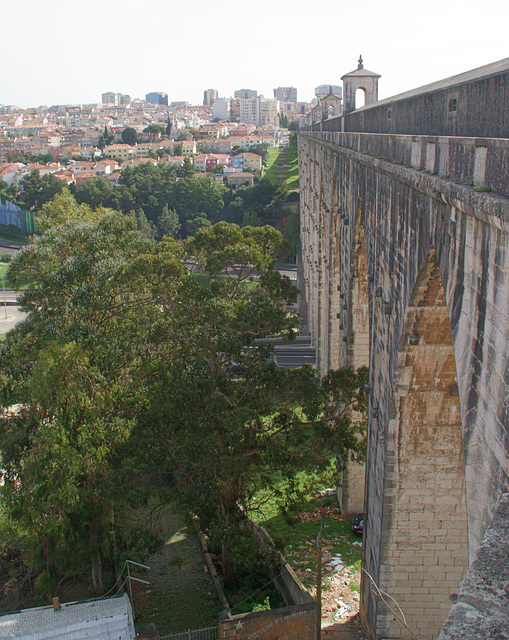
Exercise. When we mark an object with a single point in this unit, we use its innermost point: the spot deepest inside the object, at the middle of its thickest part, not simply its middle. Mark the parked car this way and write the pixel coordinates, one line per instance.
(358, 524)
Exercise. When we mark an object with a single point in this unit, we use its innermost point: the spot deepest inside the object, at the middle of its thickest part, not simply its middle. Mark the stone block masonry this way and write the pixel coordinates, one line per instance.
(408, 270)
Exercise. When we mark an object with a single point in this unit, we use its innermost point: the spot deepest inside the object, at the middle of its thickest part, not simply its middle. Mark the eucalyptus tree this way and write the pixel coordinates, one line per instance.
(130, 368)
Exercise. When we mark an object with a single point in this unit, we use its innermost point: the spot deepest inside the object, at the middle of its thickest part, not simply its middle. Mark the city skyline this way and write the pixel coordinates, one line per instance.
(106, 49)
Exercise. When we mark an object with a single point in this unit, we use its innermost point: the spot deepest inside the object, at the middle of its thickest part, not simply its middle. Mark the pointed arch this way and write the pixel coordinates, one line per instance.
(358, 296)
(355, 328)
(334, 279)
(322, 328)
(424, 555)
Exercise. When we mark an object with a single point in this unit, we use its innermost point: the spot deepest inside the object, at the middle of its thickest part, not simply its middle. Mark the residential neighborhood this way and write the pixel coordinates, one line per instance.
(81, 142)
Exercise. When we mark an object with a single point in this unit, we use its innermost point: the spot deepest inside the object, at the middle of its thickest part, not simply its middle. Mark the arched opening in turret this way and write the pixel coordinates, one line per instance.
(424, 523)
(360, 98)
(355, 331)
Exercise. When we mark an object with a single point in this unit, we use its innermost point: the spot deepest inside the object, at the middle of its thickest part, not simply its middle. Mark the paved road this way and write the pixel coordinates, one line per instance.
(8, 296)
(6, 246)
(13, 314)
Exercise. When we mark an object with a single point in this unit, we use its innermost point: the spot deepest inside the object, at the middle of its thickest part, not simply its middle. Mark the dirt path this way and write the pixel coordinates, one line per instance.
(180, 596)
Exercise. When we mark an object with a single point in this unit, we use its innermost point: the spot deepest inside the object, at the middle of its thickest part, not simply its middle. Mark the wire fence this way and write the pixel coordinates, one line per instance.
(207, 633)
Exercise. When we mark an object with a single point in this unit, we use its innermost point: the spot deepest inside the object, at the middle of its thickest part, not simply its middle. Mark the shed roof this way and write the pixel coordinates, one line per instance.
(90, 619)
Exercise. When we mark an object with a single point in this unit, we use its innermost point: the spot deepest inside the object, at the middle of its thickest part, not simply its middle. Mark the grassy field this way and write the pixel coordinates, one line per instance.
(3, 271)
(270, 172)
(292, 171)
(295, 536)
(286, 158)
(181, 595)
(18, 239)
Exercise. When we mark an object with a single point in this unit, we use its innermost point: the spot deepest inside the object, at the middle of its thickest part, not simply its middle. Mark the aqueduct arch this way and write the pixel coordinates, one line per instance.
(424, 555)
(355, 331)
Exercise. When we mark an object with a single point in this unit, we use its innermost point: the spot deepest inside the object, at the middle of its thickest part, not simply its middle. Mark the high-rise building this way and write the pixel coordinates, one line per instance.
(209, 95)
(245, 93)
(157, 97)
(286, 94)
(258, 110)
(221, 109)
(110, 97)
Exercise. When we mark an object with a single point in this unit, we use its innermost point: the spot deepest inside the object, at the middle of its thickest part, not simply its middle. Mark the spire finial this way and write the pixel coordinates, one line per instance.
(361, 66)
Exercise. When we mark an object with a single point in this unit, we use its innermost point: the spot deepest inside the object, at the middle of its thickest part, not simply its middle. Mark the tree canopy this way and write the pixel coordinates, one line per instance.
(133, 376)
(129, 136)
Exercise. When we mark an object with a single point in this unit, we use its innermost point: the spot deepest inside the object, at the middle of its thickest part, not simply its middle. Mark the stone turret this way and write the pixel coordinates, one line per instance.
(330, 105)
(359, 79)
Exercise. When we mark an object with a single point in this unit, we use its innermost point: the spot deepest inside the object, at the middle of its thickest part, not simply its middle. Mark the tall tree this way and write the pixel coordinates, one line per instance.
(168, 222)
(129, 136)
(36, 190)
(64, 209)
(73, 366)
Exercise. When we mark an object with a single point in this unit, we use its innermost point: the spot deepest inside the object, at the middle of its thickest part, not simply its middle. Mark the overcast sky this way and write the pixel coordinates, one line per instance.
(60, 52)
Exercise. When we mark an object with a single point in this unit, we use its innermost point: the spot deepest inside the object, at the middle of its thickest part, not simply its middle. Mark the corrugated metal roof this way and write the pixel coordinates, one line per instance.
(102, 619)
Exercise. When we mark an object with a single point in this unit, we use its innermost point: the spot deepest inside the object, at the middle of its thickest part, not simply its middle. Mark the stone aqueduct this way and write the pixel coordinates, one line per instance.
(405, 268)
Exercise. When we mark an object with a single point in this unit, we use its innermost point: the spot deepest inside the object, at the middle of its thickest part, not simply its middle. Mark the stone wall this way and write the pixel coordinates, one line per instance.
(454, 106)
(474, 162)
(411, 219)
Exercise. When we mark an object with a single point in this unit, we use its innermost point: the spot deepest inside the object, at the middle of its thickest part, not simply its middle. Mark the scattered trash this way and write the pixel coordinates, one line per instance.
(322, 512)
(325, 493)
(342, 612)
(357, 544)
(335, 564)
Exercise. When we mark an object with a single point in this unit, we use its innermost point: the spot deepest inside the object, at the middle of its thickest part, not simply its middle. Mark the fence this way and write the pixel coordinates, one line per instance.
(12, 214)
(208, 633)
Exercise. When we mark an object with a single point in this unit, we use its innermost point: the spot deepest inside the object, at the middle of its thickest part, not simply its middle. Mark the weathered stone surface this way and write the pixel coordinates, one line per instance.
(482, 610)
(468, 623)
(487, 581)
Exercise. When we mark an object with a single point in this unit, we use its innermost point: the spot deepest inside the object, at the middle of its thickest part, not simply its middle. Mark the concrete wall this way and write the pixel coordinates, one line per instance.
(410, 215)
(287, 583)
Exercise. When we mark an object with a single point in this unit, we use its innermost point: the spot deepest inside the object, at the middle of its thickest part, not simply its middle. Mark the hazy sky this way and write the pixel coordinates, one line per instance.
(59, 52)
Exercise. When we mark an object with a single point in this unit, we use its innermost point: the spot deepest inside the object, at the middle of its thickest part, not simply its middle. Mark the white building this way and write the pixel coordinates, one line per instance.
(221, 109)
